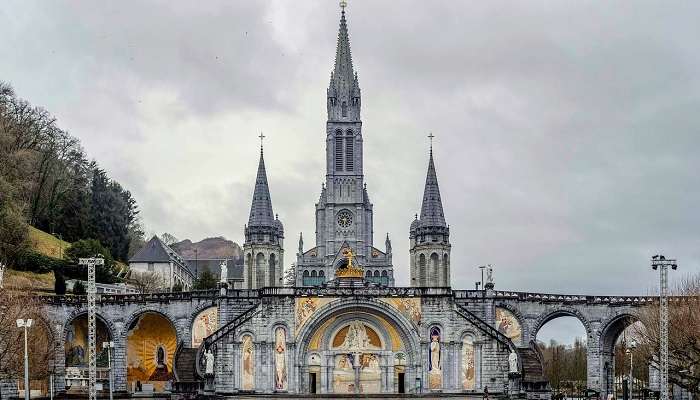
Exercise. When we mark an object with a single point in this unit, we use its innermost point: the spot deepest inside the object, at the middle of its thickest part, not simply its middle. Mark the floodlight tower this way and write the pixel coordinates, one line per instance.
(661, 263)
(91, 297)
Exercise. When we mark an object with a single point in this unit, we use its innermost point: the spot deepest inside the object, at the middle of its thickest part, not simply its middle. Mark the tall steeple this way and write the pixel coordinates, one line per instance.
(264, 236)
(344, 90)
(431, 213)
(430, 236)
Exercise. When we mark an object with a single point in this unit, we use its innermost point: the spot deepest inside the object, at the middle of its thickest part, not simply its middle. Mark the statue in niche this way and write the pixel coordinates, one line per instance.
(224, 271)
(356, 337)
(468, 365)
(209, 357)
(248, 363)
(161, 371)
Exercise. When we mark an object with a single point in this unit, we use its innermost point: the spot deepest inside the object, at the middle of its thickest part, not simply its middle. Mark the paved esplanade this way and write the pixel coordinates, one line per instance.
(344, 328)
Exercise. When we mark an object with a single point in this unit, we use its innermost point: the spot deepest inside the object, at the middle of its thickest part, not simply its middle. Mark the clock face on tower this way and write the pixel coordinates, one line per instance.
(344, 219)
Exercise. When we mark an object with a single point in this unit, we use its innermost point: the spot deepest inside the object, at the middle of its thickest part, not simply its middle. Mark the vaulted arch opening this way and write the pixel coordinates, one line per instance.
(151, 343)
(562, 345)
(621, 356)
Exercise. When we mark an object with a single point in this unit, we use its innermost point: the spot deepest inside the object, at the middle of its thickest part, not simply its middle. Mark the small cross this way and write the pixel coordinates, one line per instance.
(343, 4)
(431, 136)
(261, 138)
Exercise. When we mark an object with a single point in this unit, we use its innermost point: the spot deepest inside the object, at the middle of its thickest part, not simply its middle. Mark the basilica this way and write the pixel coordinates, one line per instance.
(343, 327)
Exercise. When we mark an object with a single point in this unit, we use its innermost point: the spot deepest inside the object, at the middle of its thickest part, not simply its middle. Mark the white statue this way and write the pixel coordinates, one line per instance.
(513, 362)
(209, 358)
(224, 271)
(489, 274)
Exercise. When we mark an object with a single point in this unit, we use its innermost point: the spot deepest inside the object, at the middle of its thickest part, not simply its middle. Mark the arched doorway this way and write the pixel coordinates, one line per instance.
(151, 345)
(76, 352)
(355, 348)
(561, 342)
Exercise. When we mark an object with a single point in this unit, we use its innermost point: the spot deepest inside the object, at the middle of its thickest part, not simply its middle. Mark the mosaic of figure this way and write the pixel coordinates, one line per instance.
(76, 343)
(357, 336)
(306, 306)
(434, 360)
(343, 374)
(409, 308)
(468, 370)
(280, 359)
(508, 325)
(151, 344)
(370, 374)
(204, 325)
(248, 362)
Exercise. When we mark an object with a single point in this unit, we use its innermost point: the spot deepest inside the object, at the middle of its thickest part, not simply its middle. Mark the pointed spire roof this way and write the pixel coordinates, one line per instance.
(343, 75)
(431, 213)
(261, 213)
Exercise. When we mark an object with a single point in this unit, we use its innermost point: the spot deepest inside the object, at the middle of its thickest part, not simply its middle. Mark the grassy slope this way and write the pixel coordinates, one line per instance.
(46, 243)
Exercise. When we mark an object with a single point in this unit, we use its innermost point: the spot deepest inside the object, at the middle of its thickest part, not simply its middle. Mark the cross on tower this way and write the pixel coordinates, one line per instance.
(261, 141)
(343, 4)
(431, 136)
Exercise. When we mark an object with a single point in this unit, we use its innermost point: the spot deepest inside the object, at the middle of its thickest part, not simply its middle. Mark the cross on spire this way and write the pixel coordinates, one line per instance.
(431, 136)
(343, 4)
(261, 141)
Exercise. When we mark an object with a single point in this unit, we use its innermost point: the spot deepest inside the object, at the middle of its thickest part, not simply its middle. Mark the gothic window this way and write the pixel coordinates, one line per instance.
(349, 152)
(305, 274)
(344, 109)
(421, 271)
(338, 151)
(376, 274)
(259, 270)
(313, 274)
(272, 276)
(384, 273)
(368, 274)
(321, 274)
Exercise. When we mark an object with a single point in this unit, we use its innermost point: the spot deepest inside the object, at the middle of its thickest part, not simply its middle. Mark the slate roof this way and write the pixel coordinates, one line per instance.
(155, 251)
(431, 213)
(261, 213)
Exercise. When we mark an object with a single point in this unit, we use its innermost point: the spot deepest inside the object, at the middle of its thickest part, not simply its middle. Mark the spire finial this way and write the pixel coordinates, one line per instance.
(261, 141)
(343, 4)
(431, 136)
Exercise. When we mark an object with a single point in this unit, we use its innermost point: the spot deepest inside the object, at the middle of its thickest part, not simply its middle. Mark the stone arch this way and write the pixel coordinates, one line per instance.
(521, 320)
(193, 318)
(78, 312)
(556, 313)
(134, 315)
(605, 341)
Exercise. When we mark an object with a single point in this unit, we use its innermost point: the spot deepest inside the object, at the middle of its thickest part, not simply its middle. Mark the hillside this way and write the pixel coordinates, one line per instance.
(46, 244)
(217, 247)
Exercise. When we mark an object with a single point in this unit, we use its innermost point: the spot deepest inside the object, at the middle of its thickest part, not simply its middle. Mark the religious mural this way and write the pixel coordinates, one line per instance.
(434, 360)
(151, 344)
(204, 325)
(509, 325)
(306, 306)
(280, 359)
(408, 307)
(76, 342)
(468, 364)
(344, 374)
(357, 336)
(248, 362)
(370, 374)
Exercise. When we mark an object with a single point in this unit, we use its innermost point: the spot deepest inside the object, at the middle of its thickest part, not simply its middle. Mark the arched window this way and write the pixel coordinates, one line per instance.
(338, 150)
(434, 269)
(421, 270)
(368, 274)
(313, 274)
(321, 274)
(249, 266)
(349, 152)
(305, 274)
(259, 270)
(344, 109)
(272, 275)
(376, 274)
(384, 273)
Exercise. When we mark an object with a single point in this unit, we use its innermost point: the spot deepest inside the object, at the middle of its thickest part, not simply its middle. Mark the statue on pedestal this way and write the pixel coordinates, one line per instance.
(224, 271)
(513, 363)
(209, 370)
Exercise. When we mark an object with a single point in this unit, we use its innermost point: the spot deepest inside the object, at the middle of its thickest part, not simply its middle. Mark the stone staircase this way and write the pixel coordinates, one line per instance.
(533, 371)
(185, 370)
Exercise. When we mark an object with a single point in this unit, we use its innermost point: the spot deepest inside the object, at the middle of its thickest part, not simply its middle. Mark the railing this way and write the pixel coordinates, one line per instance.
(313, 280)
(230, 326)
(485, 327)
(382, 280)
(567, 298)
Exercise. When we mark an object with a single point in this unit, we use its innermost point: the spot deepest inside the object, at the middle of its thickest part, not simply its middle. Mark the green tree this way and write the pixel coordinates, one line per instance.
(60, 284)
(79, 288)
(13, 227)
(205, 281)
(90, 248)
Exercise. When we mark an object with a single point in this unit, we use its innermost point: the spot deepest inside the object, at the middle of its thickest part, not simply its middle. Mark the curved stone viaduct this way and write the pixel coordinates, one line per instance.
(603, 317)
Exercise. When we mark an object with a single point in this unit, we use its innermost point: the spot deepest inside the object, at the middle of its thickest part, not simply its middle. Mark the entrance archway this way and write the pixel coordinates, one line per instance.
(562, 344)
(616, 343)
(151, 345)
(357, 348)
(76, 352)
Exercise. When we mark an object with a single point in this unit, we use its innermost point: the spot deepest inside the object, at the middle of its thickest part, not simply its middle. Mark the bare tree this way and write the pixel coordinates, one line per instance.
(40, 337)
(168, 239)
(147, 282)
(683, 338)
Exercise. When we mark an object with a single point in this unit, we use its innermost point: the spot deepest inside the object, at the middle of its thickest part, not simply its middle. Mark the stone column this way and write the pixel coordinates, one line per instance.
(119, 360)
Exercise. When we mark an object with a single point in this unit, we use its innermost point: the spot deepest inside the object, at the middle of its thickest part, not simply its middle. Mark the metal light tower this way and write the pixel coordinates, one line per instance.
(661, 263)
(91, 296)
(26, 324)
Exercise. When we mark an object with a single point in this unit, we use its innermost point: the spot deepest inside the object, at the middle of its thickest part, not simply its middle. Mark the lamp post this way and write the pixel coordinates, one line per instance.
(26, 324)
(109, 346)
(629, 350)
(661, 263)
(482, 268)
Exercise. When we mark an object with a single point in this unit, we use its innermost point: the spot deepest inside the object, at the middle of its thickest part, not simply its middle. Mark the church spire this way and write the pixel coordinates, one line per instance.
(431, 213)
(261, 214)
(344, 90)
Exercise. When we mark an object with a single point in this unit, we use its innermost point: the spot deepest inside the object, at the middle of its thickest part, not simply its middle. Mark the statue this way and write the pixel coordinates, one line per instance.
(209, 366)
(489, 277)
(224, 271)
(513, 362)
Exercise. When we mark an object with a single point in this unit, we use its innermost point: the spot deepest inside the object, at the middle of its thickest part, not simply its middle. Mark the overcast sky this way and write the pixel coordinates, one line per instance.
(567, 133)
